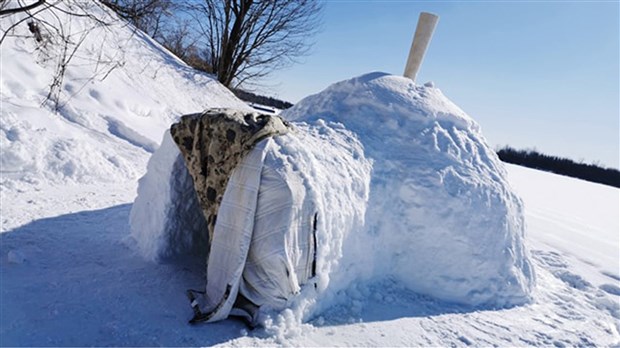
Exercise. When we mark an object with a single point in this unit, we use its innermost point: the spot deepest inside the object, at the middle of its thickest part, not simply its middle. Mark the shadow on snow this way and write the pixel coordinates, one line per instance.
(72, 280)
(385, 300)
(75, 280)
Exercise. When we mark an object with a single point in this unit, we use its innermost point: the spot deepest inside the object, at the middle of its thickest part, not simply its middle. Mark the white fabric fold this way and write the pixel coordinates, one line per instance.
(233, 234)
(263, 244)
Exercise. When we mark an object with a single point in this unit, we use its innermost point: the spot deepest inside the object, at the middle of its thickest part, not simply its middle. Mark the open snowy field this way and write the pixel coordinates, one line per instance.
(72, 275)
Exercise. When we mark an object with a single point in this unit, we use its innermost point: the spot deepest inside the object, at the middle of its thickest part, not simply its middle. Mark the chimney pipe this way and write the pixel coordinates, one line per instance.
(421, 39)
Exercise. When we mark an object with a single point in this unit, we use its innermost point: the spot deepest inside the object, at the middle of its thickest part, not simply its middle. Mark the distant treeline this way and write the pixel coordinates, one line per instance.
(259, 99)
(558, 165)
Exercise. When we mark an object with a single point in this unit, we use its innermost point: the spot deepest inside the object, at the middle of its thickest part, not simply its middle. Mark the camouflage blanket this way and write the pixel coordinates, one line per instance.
(213, 143)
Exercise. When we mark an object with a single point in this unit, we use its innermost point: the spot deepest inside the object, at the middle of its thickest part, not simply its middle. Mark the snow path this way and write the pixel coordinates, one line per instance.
(75, 279)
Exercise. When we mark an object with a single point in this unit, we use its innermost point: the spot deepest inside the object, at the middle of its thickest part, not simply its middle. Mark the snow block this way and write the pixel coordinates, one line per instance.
(442, 217)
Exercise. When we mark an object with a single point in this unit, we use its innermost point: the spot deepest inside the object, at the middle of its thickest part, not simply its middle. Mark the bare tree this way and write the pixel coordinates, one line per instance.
(147, 15)
(49, 22)
(239, 41)
(246, 40)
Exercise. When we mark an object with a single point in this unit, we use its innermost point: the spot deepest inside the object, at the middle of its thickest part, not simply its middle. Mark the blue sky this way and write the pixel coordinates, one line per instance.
(534, 74)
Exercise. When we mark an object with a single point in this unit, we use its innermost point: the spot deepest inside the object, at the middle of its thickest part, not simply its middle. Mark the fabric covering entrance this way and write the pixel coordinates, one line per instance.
(212, 144)
(263, 245)
(304, 223)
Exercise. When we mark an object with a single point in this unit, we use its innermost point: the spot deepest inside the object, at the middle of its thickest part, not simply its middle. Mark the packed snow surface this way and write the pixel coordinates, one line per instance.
(70, 275)
(73, 278)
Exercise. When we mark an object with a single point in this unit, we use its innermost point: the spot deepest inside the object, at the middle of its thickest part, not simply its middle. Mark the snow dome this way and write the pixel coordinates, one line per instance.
(405, 188)
(441, 216)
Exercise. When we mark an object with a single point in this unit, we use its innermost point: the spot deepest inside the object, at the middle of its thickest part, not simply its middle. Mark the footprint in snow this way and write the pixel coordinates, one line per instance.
(94, 94)
(611, 275)
(556, 264)
(550, 259)
(610, 289)
(573, 280)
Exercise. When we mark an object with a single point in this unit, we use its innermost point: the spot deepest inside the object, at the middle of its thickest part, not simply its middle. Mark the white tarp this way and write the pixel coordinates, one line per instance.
(282, 249)
(263, 245)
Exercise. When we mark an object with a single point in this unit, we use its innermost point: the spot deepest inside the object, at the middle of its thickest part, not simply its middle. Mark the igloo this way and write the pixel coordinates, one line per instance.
(391, 179)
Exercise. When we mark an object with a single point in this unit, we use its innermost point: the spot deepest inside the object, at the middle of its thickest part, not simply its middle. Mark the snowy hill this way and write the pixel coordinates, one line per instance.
(120, 90)
(71, 275)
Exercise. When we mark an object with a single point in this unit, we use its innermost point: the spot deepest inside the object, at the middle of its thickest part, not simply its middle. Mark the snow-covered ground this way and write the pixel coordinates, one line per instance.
(70, 274)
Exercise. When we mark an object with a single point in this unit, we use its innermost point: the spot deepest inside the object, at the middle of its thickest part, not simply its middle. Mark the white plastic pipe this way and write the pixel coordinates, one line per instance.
(423, 35)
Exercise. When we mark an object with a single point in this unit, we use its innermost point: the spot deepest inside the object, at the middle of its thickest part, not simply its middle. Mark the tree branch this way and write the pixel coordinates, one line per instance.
(21, 9)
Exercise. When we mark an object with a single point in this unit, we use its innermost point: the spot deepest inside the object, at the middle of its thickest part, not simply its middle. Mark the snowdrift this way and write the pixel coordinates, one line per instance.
(442, 218)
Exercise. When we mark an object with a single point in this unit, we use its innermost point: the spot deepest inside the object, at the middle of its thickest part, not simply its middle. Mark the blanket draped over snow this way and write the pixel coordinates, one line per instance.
(213, 143)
